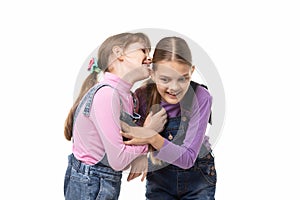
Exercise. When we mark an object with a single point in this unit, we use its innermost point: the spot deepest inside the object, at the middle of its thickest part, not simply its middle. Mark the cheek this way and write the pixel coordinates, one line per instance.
(160, 89)
(135, 58)
(185, 88)
(141, 57)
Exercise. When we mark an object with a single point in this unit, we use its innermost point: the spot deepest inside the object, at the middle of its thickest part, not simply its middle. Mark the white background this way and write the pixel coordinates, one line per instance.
(254, 45)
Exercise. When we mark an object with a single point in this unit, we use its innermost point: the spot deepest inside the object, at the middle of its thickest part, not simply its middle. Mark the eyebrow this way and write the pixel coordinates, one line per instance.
(185, 75)
(165, 76)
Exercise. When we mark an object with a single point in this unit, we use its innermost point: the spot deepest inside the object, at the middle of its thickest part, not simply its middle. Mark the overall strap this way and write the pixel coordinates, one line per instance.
(203, 150)
(186, 111)
(209, 120)
(89, 102)
(88, 99)
(189, 97)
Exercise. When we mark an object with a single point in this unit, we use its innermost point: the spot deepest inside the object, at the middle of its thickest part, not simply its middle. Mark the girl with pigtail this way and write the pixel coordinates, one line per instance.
(99, 154)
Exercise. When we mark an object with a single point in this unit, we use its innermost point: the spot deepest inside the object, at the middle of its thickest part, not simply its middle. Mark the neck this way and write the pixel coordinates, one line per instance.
(124, 76)
(129, 78)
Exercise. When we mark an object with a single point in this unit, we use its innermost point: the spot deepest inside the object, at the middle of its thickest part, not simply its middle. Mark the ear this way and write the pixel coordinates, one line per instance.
(152, 75)
(118, 52)
(192, 69)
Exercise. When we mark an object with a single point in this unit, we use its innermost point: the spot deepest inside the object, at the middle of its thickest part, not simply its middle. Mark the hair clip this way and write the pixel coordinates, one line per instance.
(93, 66)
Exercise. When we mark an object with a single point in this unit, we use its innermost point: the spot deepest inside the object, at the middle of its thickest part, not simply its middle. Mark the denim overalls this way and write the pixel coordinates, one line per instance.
(89, 182)
(167, 181)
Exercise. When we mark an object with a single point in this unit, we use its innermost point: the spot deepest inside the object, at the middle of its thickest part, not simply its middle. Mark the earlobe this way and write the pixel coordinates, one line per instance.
(192, 69)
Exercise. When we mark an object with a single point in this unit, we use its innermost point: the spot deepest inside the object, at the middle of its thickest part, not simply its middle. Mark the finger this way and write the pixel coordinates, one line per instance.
(144, 176)
(129, 142)
(127, 135)
(164, 117)
(136, 141)
(132, 176)
(149, 116)
(124, 126)
(162, 112)
(155, 108)
(164, 122)
(129, 177)
(150, 113)
(145, 173)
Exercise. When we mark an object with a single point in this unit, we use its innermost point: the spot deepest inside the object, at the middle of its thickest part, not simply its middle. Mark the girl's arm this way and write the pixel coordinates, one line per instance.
(105, 115)
(183, 155)
(143, 135)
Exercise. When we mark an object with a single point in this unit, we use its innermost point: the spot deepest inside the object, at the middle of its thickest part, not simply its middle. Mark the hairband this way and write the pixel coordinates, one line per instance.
(93, 66)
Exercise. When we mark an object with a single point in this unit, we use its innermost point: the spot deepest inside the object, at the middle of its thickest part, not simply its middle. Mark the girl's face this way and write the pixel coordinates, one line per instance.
(136, 54)
(172, 80)
(136, 58)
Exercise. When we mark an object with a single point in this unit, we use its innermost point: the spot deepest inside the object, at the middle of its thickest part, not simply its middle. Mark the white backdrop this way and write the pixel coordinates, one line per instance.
(253, 44)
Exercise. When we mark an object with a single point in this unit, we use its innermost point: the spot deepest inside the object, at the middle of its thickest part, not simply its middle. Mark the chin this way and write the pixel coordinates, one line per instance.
(171, 101)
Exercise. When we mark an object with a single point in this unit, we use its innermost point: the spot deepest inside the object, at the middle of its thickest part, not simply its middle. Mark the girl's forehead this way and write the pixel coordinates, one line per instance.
(173, 68)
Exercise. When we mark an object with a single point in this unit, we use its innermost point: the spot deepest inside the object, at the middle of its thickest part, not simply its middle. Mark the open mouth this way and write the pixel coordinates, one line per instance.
(173, 94)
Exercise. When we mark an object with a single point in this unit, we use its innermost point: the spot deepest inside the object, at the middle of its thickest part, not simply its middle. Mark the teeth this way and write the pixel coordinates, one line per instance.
(173, 94)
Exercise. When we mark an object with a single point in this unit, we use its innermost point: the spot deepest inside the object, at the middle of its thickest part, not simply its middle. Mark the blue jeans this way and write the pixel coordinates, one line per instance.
(168, 182)
(172, 182)
(90, 182)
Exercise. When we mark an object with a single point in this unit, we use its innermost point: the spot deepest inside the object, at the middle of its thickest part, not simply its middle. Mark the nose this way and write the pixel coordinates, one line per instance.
(173, 86)
(148, 60)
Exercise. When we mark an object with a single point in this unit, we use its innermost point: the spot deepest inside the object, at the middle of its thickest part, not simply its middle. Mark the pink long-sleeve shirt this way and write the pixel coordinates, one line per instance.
(99, 134)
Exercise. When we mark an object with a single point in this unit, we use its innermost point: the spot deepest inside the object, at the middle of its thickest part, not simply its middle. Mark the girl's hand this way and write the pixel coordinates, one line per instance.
(157, 120)
(138, 167)
(141, 135)
(137, 132)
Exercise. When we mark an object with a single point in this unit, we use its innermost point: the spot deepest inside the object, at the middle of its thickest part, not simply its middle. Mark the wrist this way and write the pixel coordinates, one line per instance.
(152, 140)
(157, 141)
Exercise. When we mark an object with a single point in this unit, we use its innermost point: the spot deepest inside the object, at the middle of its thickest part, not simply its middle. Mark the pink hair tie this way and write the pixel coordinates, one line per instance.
(93, 66)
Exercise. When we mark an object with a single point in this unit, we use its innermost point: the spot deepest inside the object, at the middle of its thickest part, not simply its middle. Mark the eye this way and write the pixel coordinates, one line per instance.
(143, 50)
(182, 79)
(164, 79)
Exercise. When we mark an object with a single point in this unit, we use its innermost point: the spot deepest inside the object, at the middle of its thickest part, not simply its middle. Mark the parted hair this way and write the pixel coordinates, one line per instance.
(167, 49)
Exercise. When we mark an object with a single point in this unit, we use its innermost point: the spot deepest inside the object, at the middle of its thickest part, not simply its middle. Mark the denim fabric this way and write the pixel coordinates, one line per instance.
(168, 181)
(88, 100)
(90, 182)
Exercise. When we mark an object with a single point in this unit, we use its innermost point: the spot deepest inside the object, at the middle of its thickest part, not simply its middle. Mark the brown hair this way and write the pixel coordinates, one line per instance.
(167, 49)
(122, 40)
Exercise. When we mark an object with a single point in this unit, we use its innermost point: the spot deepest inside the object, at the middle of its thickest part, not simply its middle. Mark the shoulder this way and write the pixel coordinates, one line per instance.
(141, 90)
(104, 91)
(201, 90)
